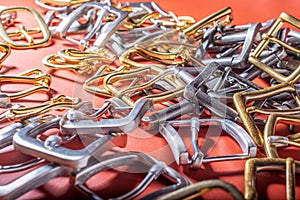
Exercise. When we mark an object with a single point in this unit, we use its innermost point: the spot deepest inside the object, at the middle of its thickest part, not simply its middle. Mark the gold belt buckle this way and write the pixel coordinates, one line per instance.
(272, 141)
(22, 33)
(270, 36)
(240, 102)
(5, 52)
(209, 21)
(83, 62)
(60, 102)
(64, 2)
(258, 164)
(40, 80)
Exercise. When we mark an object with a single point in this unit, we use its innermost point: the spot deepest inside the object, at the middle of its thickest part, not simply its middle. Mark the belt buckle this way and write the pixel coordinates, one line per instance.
(23, 33)
(101, 30)
(240, 102)
(153, 169)
(254, 165)
(5, 52)
(40, 80)
(272, 141)
(270, 36)
(83, 62)
(180, 152)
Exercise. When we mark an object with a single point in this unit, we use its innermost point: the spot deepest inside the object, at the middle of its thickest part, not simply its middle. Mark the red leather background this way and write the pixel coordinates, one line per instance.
(270, 185)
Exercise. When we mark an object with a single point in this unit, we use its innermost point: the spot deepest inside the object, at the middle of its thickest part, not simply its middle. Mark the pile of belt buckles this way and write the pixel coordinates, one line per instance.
(159, 73)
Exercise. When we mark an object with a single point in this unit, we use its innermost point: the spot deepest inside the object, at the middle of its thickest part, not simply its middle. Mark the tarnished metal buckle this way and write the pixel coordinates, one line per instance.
(242, 98)
(272, 141)
(254, 165)
(23, 34)
(197, 189)
(270, 37)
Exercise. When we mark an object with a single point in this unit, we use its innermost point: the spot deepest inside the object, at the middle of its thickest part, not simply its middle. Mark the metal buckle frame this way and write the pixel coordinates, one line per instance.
(272, 141)
(31, 43)
(155, 168)
(257, 164)
(241, 98)
(197, 189)
(181, 154)
(270, 37)
(25, 142)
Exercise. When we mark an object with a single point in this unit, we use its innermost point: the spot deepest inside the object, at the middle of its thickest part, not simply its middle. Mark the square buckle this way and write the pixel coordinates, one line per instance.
(270, 36)
(23, 33)
(254, 165)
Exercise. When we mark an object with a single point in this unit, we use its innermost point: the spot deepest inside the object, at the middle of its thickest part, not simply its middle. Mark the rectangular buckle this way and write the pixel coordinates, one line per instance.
(270, 36)
(22, 33)
(258, 164)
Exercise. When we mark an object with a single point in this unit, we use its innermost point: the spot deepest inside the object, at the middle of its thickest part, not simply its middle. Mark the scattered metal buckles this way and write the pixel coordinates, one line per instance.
(93, 84)
(197, 30)
(141, 81)
(5, 52)
(83, 62)
(123, 40)
(8, 19)
(152, 167)
(70, 124)
(20, 113)
(23, 34)
(40, 80)
(153, 121)
(197, 189)
(149, 7)
(176, 22)
(194, 92)
(234, 57)
(101, 30)
(25, 141)
(180, 151)
(270, 36)
(242, 98)
(254, 165)
(272, 141)
(32, 180)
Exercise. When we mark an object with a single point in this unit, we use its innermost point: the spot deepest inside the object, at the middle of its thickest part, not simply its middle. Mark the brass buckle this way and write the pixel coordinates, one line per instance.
(60, 102)
(209, 21)
(57, 3)
(195, 190)
(257, 164)
(83, 62)
(5, 52)
(272, 141)
(270, 36)
(141, 81)
(93, 83)
(241, 99)
(40, 80)
(22, 33)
